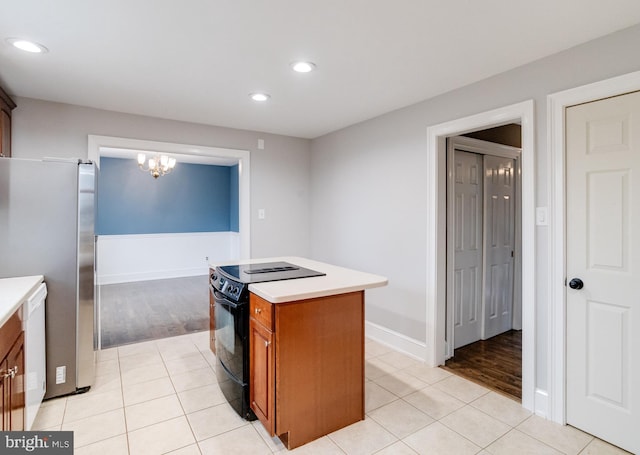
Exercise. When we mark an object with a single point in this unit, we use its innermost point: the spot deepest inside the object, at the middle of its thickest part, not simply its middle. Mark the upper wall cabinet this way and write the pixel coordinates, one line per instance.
(6, 106)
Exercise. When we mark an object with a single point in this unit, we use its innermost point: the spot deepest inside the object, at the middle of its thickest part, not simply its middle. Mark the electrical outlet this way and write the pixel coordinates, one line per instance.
(61, 375)
(261, 214)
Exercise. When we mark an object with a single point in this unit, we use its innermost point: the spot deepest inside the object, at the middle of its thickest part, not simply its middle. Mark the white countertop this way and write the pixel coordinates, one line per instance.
(14, 292)
(338, 280)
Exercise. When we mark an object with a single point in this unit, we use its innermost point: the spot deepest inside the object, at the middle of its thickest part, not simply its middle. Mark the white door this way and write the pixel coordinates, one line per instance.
(467, 244)
(603, 317)
(499, 244)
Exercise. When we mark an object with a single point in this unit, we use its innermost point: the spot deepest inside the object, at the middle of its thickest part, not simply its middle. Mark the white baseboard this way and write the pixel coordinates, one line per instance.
(541, 403)
(402, 343)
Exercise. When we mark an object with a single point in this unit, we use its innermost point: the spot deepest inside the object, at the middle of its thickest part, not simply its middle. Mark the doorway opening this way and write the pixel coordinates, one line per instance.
(484, 305)
(436, 284)
(151, 263)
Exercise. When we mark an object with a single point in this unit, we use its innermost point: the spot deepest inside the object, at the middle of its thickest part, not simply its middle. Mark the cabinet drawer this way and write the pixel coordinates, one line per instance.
(261, 311)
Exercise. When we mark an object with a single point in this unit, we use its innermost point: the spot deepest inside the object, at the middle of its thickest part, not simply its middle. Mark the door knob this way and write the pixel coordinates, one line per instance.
(576, 283)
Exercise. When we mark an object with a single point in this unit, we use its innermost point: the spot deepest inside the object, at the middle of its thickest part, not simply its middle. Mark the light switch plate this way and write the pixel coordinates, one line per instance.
(542, 216)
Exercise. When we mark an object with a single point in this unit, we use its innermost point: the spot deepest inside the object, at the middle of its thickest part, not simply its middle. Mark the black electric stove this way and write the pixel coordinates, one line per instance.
(230, 289)
(233, 280)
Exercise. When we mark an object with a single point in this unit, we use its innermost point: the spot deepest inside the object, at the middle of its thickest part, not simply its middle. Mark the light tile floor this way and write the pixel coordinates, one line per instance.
(162, 397)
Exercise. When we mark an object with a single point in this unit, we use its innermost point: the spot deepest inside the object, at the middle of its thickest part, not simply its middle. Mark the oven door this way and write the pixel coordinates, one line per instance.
(231, 319)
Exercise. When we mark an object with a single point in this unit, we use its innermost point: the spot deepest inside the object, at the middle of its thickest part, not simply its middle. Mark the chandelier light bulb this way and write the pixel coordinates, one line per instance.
(157, 165)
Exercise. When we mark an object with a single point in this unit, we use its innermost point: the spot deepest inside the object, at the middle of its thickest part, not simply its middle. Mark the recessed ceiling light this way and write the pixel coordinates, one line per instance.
(303, 67)
(259, 96)
(28, 46)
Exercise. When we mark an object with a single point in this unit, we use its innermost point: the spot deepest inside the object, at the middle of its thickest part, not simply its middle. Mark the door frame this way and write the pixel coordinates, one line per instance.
(483, 148)
(522, 113)
(190, 153)
(556, 155)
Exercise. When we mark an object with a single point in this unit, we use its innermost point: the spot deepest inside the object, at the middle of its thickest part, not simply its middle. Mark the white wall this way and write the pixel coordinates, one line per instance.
(279, 173)
(369, 192)
(124, 258)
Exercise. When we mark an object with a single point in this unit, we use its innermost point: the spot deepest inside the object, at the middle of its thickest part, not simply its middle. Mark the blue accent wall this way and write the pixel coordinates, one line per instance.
(234, 197)
(192, 198)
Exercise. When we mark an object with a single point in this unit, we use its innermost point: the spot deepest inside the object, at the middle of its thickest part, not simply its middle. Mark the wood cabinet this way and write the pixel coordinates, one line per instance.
(212, 317)
(262, 374)
(307, 365)
(6, 106)
(12, 378)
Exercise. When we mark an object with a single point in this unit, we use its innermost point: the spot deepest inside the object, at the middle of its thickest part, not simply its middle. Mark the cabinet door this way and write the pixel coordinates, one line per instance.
(262, 374)
(17, 384)
(5, 393)
(12, 387)
(5, 134)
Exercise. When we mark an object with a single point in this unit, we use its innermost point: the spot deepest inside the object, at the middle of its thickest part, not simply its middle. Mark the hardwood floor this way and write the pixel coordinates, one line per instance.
(149, 310)
(495, 363)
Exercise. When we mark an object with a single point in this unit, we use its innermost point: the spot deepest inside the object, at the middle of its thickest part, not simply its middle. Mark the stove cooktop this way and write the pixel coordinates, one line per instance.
(267, 271)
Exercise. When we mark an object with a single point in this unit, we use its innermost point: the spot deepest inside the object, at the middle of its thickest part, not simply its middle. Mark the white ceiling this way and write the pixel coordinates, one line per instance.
(197, 60)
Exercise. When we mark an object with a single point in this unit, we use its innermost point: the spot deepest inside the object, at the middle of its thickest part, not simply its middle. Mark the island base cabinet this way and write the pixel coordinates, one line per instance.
(261, 389)
(317, 347)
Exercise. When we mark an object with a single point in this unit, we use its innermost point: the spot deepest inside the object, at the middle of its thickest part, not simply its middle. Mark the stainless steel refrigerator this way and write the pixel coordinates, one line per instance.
(47, 213)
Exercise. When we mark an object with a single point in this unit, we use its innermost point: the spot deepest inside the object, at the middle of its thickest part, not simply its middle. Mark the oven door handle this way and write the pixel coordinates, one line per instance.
(219, 297)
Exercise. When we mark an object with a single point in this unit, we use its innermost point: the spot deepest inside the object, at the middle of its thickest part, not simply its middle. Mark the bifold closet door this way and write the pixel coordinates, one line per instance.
(467, 243)
(499, 244)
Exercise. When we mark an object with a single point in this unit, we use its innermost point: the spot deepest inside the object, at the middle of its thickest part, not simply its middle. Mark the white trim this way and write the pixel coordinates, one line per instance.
(95, 143)
(397, 341)
(142, 257)
(542, 403)
(556, 105)
(436, 226)
(168, 234)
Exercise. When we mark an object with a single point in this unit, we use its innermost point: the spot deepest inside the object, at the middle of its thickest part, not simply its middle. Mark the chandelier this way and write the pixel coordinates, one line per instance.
(157, 165)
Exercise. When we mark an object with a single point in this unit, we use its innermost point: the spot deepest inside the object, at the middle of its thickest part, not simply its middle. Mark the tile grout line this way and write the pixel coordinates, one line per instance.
(182, 406)
(124, 412)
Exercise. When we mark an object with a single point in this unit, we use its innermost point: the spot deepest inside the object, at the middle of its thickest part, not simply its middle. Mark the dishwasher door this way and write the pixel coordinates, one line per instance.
(34, 353)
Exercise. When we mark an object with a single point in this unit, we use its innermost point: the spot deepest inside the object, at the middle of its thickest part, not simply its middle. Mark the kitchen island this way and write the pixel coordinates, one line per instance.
(307, 350)
(337, 280)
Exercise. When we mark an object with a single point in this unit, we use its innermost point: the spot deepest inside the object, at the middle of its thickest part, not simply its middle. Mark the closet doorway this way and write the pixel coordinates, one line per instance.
(484, 308)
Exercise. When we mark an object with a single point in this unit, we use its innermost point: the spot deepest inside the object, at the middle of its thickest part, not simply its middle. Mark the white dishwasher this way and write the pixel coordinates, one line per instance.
(34, 353)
